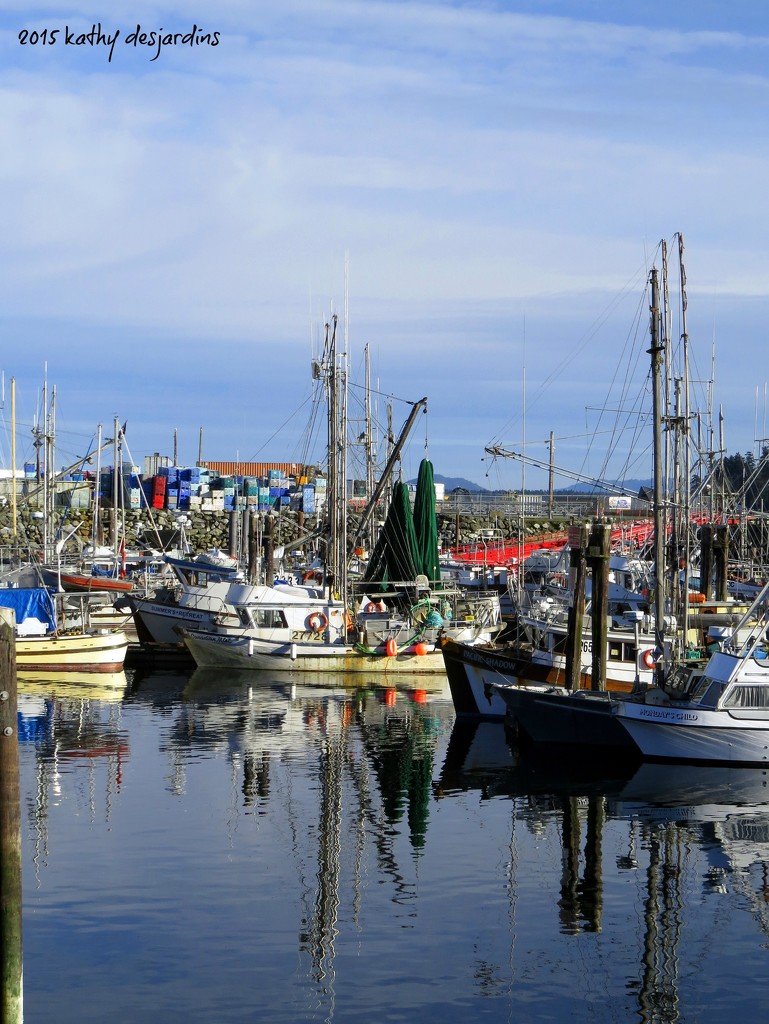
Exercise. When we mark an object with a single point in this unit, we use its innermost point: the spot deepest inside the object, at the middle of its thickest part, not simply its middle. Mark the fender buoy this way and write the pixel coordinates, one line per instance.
(373, 606)
(421, 649)
(391, 648)
(317, 622)
(648, 658)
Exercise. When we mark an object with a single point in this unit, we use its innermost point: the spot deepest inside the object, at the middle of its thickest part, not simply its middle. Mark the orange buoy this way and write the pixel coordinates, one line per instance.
(420, 696)
(421, 649)
(391, 648)
(391, 696)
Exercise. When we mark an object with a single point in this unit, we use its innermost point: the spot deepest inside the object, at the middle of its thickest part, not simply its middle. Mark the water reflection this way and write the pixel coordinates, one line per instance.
(674, 820)
(407, 859)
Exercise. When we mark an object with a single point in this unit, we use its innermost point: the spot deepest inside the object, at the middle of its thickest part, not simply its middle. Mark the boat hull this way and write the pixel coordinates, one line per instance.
(475, 671)
(72, 652)
(695, 735)
(224, 650)
(84, 582)
(557, 716)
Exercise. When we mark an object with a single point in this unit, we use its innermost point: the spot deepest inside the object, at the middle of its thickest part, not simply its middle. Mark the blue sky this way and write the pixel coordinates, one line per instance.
(496, 176)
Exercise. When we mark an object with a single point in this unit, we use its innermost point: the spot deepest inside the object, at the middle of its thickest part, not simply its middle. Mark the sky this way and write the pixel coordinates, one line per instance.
(481, 187)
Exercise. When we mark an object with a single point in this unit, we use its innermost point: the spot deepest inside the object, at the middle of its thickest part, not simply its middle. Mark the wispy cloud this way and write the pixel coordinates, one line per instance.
(466, 156)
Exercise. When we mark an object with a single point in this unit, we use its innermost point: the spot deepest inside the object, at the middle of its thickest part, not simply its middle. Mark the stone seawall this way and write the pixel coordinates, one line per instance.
(204, 530)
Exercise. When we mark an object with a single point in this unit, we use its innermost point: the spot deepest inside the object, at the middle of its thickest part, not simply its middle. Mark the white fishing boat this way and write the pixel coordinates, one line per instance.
(725, 719)
(283, 630)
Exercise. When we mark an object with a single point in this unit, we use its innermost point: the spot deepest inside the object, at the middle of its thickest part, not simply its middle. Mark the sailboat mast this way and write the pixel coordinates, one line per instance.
(115, 481)
(44, 442)
(687, 469)
(13, 457)
(96, 492)
(341, 574)
(656, 351)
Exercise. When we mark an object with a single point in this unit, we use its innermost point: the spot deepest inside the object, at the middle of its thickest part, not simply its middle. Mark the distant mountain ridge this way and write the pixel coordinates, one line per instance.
(452, 482)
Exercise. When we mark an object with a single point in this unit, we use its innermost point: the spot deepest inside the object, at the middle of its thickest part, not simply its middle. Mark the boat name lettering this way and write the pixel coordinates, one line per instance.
(487, 660)
(177, 613)
(669, 715)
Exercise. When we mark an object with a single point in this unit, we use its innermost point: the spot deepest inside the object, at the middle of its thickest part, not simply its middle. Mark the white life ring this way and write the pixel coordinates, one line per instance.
(317, 622)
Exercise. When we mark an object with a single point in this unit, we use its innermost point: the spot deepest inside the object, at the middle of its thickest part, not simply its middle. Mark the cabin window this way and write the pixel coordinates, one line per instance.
(270, 617)
(245, 617)
(748, 697)
(708, 691)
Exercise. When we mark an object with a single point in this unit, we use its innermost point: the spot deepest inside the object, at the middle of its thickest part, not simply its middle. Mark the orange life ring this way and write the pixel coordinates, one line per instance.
(648, 658)
(373, 606)
(313, 575)
(317, 622)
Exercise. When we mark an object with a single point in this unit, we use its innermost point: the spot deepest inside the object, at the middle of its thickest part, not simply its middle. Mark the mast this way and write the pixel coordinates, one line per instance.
(385, 477)
(13, 456)
(369, 434)
(687, 469)
(96, 493)
(115, 487)
(656, 351)
(341, 574)
(50, 464)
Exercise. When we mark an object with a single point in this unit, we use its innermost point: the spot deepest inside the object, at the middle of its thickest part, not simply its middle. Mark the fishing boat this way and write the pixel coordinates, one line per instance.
(46, 643)
(284, 629)
(723, 720)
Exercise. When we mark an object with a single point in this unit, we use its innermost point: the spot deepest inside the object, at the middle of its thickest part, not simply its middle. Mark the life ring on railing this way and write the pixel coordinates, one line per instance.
(312, 577)
(317, 622)
(374, 606)
(648, 658)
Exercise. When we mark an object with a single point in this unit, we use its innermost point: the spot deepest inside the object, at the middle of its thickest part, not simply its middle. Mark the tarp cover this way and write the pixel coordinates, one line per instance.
(30, 603)
(395, 554)
(426, 523)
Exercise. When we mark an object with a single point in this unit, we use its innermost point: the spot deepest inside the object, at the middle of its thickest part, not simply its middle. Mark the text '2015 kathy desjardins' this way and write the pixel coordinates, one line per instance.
(155, 40)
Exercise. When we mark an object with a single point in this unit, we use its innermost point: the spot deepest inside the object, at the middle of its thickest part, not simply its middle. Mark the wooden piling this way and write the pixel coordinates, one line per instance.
(598, 561)
(721, 560)
(706, 561)
(10, 826)
(577, 544)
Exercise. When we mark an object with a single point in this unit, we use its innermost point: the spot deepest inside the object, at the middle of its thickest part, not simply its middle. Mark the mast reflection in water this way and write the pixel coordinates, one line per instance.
(200, 848)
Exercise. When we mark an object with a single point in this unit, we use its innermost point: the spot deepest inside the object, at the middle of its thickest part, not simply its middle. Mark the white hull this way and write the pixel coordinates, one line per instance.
(695, 735)
(224, 650)
(162, 622)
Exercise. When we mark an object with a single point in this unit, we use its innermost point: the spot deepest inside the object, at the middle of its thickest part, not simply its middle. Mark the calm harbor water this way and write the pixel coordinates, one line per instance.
(198, 848)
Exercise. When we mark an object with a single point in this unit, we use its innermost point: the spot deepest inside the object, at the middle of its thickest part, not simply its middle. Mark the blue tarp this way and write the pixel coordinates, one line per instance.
(30, 603)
